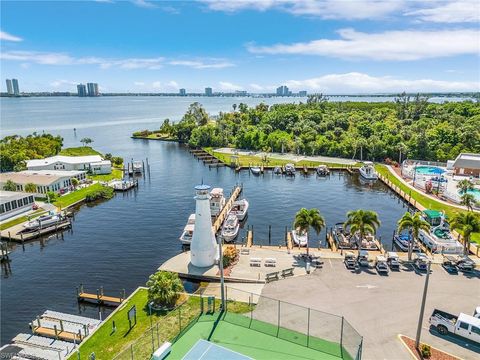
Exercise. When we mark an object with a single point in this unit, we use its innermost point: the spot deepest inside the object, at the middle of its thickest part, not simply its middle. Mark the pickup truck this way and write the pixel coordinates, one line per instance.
(463, 325)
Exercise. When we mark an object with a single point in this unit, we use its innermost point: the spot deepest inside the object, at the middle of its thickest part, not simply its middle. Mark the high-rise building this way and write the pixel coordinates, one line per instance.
(9, 87)
(16, 89)
(81, 90)
(92, 89)
(302, 93)
(208, 91)
(182, 92)
(283, 91)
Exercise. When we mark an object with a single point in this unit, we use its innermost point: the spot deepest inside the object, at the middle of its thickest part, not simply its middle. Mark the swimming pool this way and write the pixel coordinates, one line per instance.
(475, 193)
(429, 170)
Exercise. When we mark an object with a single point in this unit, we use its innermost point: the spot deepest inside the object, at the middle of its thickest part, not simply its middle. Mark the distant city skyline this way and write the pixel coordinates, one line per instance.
(348, 47)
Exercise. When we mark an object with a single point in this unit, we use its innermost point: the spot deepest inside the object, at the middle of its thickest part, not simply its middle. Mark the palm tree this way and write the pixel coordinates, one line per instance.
(468, 200)
(164, 288)
(30, 188)
(306, 218)
(466, 223)
(464, 185)
(363, 222)
(412, 223)
(10, 186)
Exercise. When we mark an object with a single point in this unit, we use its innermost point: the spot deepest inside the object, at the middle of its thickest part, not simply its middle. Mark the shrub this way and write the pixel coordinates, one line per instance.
(425, 351)
(103, 193)
(52, 196)
(164, 288)
(229, 256)
(117, 160)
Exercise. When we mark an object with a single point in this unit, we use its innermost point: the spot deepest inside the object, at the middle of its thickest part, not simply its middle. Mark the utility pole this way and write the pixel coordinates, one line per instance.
(422, 307)
(220, 264)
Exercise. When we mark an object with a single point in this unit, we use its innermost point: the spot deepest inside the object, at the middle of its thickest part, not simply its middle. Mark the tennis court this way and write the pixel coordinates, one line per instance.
(205, 350)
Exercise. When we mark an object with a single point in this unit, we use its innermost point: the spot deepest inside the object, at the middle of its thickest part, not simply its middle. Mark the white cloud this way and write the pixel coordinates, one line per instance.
(138, 83)
(156, 85)
(402, 45)
(355, 82)
(144, 4)
(4, 36)
(458, 11)
(326, 9)
(59, 83)
(172, 84)
(228, 86)
(257, 87)
(201, 64)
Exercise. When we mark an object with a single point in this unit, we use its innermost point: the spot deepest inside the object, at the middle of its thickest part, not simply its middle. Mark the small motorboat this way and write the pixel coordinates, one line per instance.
(240, 208)
(187, 234)
(277, 170)
(367, 171)
(322, 170)
(217, 201)
(381, 264)
(137, 167)
(300, 238)
(393, 260)
(43, 221)
(230, 228)
(255, 170)
(290, 169)
(402, 241)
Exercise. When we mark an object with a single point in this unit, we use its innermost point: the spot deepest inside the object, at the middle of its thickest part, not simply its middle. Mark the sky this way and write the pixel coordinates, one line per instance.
(328, 46)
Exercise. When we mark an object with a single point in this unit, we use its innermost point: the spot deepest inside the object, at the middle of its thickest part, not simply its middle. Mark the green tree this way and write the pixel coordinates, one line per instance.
(362, 222)
(75, 182)
(412, 223)
(108, 156)
(309, 218)
(468, 200)
(30, 188)
(86, 141)
(197, 113)
(10, 186)
(466, 223)
(164, 288)
(464, 185)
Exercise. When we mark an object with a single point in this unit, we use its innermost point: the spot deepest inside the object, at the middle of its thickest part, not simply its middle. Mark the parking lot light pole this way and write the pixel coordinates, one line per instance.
(422, 307)
(220, 264)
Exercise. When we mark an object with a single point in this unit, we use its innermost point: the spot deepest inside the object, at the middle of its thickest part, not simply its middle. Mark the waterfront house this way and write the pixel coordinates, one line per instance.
(45, 180)
(91, 163)
(14, 203)
(467, 164)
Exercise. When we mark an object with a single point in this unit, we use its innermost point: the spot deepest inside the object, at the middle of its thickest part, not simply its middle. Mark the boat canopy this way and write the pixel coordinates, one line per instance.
(434, 214)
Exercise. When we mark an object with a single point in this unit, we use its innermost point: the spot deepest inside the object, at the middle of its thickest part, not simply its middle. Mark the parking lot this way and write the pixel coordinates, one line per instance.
(382, 306)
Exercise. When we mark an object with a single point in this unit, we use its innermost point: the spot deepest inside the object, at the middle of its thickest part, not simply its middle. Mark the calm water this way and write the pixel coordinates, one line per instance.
(118, 243)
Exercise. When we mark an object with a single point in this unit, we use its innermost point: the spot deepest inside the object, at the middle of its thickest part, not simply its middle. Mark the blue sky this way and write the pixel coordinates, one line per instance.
(330, 46)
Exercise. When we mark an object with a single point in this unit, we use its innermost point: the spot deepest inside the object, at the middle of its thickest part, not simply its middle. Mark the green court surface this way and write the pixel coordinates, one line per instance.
(257, 344)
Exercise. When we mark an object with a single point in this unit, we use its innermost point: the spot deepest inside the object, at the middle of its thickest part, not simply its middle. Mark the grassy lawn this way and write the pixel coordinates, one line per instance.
(116, 174)
(21, 219)
(155, 136)
(247, 160)
(79, 151)
(422, 199)
(66, 200)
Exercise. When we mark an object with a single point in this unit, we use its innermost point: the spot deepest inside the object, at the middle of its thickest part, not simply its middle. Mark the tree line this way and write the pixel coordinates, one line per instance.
(408, 127)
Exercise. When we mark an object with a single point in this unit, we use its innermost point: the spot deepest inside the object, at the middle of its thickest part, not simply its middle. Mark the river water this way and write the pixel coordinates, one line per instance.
(118, 243)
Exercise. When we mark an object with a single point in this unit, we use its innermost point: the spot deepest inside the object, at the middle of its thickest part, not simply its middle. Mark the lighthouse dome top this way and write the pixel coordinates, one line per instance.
(202, 187)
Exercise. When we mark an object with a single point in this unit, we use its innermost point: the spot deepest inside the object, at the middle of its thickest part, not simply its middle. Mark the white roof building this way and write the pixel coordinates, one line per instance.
(467, 164)
(61, 162)
(14, 203)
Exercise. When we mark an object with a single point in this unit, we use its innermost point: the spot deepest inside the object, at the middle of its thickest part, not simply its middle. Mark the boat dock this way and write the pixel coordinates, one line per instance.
(4, 252)
(18, 233)
(99, 297)
(217, 224)
(406, 197)
(123, 185)
(208, 159)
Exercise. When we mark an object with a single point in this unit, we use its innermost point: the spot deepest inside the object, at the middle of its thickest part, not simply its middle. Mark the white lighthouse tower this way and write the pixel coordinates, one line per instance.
(204, 248)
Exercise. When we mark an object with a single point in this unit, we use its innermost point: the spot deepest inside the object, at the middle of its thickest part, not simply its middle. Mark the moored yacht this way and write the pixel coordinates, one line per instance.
(230, 228)
(299, 237)
(322, 170)
(43, 221)
(439, 239)
(290, 169)
(342, 237)
(367, 171)
(240, 208)
(255, 170)
(137, 167)
(402, 241)
(277, 170)
(187, 234)
(217, 201)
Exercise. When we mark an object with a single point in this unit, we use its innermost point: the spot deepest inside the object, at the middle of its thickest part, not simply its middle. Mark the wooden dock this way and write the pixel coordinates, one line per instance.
(57, 334)
(18, 234)
(99, 297)
(289, 240)
(406, 197)
(226, 209)
(250, 238)
(331, 242)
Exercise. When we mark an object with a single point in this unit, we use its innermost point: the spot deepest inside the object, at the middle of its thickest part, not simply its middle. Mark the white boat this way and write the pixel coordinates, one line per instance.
(290, 169)
(277, 170)
(255, 170)
(402, 241)
(322, 170)
(217, 201)
(240, 208)
(300, 238)
(187, 234)
(230, 228)
(43, 221)
(137, 167)
(367, 171)
(439, 239)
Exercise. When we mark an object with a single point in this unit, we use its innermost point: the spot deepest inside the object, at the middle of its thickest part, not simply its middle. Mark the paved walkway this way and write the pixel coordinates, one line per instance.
(288, 156)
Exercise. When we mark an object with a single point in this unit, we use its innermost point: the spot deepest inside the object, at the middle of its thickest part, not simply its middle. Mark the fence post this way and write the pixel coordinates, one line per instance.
(153, 340)
(131, 351)
(360, 348)
(308, 328)
(341, 340)
(158, 336)
(278, 318)
(180, 318)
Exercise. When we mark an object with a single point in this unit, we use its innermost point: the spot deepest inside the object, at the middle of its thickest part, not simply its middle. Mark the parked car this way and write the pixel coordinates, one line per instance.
(450, 264)
(363, 258)
(381, 264)
(421, 262)
(350, 260)
(463, 325)
(465, 264)
(393, 261)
